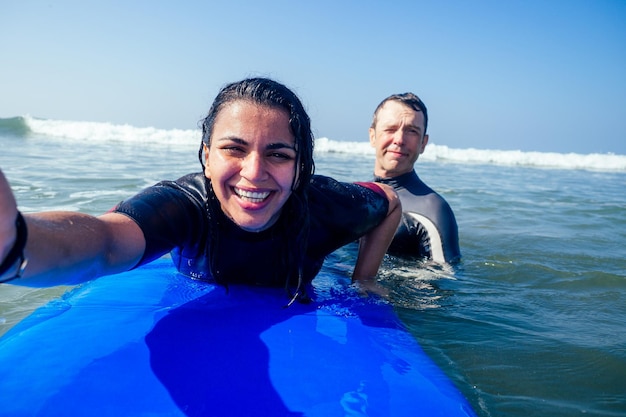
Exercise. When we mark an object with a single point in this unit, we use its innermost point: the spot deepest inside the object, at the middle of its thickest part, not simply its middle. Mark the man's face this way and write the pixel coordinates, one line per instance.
(398, 138)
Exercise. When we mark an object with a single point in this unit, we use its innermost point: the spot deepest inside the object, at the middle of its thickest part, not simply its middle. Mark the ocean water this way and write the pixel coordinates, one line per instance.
(531, 322)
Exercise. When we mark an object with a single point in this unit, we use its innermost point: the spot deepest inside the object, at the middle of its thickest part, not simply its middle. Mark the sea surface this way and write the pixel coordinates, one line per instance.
(532, 322)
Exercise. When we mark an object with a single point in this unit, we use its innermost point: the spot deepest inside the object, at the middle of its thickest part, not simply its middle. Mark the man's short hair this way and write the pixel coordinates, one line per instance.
(408, 99)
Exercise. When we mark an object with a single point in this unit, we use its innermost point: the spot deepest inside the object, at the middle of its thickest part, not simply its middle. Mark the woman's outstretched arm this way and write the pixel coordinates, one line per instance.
(66, 247)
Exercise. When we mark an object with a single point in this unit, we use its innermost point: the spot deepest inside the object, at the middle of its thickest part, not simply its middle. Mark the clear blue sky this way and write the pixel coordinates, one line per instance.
(531, 75)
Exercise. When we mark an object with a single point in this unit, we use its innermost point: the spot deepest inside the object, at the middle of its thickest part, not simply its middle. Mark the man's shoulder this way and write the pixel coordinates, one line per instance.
(415, 194)
(428, 226)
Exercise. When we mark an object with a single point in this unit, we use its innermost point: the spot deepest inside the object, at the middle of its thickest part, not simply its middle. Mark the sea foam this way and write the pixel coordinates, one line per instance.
(108, 132)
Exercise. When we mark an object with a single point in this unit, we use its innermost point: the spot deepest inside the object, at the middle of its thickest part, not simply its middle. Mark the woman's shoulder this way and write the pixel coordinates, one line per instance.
(181, 195)
(192, 186)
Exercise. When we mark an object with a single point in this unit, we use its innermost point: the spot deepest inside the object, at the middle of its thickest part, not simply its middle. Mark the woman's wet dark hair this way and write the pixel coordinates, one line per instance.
(294, 223)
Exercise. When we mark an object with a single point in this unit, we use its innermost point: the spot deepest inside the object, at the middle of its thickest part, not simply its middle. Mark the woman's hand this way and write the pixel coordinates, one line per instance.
(8, 214)
(367, 287)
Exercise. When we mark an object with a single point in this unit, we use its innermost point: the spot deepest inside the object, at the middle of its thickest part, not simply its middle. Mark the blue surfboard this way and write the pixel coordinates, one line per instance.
(150, 342)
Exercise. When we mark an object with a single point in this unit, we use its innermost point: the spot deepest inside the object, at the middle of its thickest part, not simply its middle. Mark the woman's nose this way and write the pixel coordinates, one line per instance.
(253, 167)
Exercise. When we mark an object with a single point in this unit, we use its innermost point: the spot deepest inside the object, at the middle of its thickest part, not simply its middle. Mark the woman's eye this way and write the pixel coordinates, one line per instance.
(281, 156)
(233, 149)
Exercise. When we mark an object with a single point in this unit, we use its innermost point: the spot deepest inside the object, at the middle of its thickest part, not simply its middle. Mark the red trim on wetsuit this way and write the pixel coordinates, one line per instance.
(374, 187)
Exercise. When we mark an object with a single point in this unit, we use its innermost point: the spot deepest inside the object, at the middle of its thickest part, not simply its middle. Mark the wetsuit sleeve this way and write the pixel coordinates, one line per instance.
(411, 238)
(443, 231)
(342, 213)
(418, 235)
(169, 215)
(450, 236)
(428, 228)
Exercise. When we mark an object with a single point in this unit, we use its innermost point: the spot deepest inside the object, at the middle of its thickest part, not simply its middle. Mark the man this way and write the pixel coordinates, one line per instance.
(428, 228)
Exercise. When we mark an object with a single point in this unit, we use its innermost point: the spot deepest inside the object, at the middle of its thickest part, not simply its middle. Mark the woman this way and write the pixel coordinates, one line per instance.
(256, 214)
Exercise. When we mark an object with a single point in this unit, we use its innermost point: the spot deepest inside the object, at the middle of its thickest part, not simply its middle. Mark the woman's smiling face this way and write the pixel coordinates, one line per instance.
(251, 163)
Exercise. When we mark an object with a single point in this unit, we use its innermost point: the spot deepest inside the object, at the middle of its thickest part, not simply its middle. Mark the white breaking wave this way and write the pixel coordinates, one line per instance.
(325, 145)
(107, 132)
(433, 152)
(594, 161)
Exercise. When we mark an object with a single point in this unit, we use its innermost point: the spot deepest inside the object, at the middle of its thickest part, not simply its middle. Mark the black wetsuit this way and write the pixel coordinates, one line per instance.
(173, 217)
(428, 227)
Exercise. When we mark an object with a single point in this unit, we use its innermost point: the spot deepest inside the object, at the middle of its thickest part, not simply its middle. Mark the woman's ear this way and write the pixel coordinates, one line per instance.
(205, 155)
